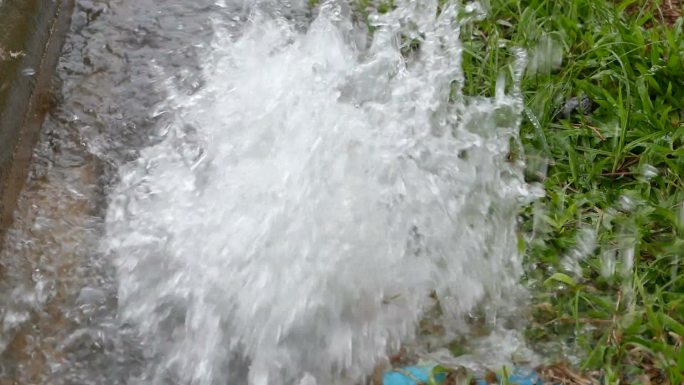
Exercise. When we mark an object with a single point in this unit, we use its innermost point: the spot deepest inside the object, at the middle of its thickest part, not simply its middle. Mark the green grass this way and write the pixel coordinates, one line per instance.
(613, 178)
(605, 247)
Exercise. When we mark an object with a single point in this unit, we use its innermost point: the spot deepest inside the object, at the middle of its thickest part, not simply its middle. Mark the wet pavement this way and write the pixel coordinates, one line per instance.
(57, 310)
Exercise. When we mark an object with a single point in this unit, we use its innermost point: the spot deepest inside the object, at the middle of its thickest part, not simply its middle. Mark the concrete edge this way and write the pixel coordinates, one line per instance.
(31, 113)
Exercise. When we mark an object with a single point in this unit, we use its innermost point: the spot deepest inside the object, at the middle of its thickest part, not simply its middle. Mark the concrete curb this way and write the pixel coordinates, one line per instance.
(31, 36)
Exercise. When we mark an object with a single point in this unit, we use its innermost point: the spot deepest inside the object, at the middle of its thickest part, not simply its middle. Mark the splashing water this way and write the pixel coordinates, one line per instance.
(307, 205)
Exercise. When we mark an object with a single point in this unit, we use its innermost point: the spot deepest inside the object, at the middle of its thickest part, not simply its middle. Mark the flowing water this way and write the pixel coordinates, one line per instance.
(253, 192)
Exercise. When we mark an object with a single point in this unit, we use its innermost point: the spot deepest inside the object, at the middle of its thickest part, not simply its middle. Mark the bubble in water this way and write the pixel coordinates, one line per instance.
(585, 247)
(547, 56)
(648, 172)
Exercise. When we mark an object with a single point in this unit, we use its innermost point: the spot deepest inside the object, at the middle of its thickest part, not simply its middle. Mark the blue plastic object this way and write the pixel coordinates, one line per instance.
(416, 375)
(409, 375)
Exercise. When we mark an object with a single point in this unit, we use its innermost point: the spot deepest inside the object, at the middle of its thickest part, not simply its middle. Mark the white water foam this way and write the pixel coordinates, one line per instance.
(306, 205)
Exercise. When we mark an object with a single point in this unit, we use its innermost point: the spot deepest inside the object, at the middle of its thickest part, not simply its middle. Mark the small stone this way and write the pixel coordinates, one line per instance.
(582, 104)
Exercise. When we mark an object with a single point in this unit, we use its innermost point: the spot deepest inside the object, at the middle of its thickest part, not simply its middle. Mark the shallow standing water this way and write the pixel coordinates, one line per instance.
(236, 192)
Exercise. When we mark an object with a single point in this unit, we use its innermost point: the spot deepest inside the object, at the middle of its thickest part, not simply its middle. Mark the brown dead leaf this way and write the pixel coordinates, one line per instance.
(667, 11)
(562, 374)
(490, 377)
